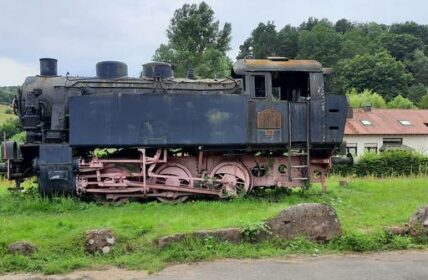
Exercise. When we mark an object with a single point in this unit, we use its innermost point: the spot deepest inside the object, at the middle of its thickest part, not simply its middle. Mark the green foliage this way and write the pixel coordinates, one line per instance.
(10, 128)
(321, 43)
(416, 92)
(401, 46)
(400, 102)
(196, 41)
(419, 67)
(7, 94)
(423, 103)
(255, 232)
(392, 163)
(367, 97)
(379, 72)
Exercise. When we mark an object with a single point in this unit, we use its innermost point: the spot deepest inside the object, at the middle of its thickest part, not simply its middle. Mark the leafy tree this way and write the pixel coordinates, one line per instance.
(193, 36)
(264, 40)
(423, 103)
(309, 24)
(401, 46)
(246, 49)
(416, 92)
(419, 67)
(412, 28)
(288, 41)
(321, 43)
(367, 97)
(343, 26)
(379, 72)
(400, 102)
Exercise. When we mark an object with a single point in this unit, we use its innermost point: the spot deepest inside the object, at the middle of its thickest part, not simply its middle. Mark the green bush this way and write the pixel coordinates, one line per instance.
(392, 163)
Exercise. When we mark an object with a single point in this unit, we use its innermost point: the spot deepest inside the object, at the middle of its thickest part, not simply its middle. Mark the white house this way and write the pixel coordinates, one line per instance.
(380, 129)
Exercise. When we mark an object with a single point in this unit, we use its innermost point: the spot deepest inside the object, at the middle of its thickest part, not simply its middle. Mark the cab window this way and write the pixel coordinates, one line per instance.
(259, 89)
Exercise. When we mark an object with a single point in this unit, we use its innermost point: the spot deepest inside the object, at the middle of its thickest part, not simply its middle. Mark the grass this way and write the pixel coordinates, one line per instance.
(5, 114)
(57, 226)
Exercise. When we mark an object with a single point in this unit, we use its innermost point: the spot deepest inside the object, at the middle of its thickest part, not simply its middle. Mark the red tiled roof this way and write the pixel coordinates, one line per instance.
(387, 121)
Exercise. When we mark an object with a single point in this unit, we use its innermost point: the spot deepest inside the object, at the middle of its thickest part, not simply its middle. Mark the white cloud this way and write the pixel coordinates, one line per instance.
(13, 73)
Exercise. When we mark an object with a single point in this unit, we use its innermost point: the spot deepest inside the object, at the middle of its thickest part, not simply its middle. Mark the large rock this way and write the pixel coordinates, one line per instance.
(317, 222)
(99, 241)
(232, 235)
(418, 224)
(21, 247)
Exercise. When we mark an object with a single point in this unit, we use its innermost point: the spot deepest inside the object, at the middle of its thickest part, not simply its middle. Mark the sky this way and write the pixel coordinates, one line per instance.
(80, 33)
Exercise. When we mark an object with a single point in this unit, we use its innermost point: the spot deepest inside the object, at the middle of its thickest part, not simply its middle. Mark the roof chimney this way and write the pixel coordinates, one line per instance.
(367, 107)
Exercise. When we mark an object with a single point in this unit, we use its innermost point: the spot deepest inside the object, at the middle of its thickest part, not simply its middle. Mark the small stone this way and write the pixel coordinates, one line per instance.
(21, 247)
(99, 241)
(106, 250)
(110, 240)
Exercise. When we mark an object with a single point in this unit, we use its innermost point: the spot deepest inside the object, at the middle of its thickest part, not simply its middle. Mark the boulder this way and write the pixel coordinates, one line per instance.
(21, 247)
(99, 241)
(315, 221)
(418, 224)
(232, 235)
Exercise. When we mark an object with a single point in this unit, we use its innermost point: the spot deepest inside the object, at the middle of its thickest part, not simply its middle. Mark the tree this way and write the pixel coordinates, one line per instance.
(400, 102)
(419, 67)
(343, 26)
(367, 97)
(321, 43)
(379, 72)
(401, 46)
(416, 92)
(288, 41)
(193, 36)
(412, 28)
(264, 40)
(423, 103)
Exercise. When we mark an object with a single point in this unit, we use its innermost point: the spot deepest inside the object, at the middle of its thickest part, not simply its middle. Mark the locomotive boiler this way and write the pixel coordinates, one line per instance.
(112, 136)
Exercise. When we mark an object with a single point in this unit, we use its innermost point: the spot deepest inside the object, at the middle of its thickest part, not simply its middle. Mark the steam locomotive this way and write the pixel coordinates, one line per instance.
(117, 137)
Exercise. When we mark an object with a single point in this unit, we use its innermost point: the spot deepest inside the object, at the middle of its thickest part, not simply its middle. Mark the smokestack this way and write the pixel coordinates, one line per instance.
(48, 67)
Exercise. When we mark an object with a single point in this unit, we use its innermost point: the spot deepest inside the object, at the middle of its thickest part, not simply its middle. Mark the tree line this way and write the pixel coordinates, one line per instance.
(389, 60)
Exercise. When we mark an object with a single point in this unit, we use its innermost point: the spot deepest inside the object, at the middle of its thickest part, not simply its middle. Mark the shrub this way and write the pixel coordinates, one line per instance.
(392, 163)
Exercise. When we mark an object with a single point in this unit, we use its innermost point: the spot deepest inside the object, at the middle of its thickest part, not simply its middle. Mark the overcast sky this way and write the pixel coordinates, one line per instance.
(81, 33)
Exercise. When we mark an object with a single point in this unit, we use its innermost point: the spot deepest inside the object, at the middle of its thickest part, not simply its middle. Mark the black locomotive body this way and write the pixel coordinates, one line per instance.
(171, 138)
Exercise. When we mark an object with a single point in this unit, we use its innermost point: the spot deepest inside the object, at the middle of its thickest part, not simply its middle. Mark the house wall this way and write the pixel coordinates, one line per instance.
(417, 142)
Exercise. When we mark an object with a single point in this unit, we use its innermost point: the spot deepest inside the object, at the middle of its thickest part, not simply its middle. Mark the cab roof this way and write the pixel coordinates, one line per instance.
(242, 66)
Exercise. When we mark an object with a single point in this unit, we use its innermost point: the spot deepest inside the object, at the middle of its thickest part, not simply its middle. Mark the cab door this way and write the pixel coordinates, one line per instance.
(267, 121)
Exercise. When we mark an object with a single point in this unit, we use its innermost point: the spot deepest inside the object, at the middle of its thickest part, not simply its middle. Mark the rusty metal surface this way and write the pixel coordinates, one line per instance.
(254, 65)
(386, 122)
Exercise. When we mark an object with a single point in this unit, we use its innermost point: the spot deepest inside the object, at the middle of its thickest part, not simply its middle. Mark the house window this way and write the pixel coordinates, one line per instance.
(259, 86)
(405, 122)
(393, 141)
(370, 147)
(366, 122)
(351, 148)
